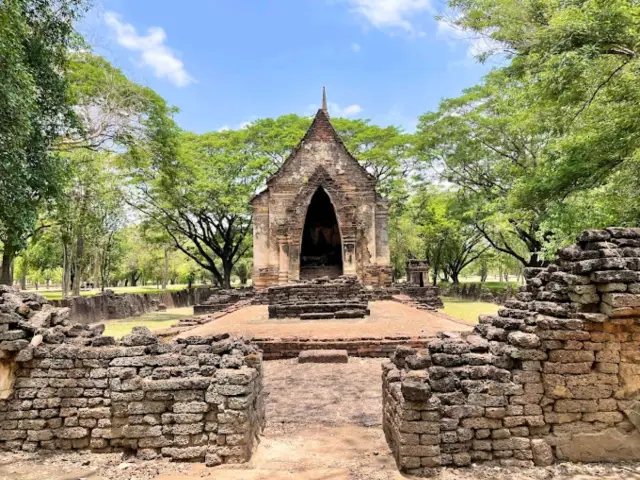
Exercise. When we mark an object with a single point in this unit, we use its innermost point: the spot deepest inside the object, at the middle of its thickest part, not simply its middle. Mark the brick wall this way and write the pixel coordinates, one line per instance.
(553, 376)
(68, 387)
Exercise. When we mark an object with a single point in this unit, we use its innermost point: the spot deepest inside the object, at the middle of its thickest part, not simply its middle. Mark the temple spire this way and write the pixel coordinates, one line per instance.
(324, 101)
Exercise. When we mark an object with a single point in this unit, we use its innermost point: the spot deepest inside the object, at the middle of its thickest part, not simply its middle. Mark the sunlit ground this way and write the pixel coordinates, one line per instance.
(465, 310)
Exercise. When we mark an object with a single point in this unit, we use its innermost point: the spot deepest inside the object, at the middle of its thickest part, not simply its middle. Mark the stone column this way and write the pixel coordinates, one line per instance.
(294, 262)
(383, 256)
(283, 270)
(261, 246)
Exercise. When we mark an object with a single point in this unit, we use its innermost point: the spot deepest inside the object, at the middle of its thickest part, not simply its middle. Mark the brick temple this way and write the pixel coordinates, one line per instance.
(320, 215)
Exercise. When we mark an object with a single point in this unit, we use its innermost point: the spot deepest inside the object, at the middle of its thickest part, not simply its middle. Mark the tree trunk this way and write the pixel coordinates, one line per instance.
(96, 272)
(8, 254)
(77, 267)
(66, 270)
(165, 269)
(23, 274)
(227, 268)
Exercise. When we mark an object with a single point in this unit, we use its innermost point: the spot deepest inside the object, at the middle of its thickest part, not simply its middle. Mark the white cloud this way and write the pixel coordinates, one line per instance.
(153, 51)
(398, 14)
(355, 47)
(477, 44)
(348, 111)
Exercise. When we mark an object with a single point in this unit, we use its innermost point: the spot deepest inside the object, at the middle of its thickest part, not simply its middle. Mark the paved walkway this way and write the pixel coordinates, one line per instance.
(387, 318)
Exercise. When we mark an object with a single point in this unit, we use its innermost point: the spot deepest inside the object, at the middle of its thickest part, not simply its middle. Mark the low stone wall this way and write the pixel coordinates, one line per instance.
(281, 348)
(68, 387)
(110, 306)
(553, 376)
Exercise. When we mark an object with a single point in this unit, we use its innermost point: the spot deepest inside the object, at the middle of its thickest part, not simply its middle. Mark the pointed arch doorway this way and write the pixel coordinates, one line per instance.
(321, 249)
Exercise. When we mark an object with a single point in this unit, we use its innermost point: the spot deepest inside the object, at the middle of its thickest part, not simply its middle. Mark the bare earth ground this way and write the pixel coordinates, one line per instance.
(323, 424)
(387, 318)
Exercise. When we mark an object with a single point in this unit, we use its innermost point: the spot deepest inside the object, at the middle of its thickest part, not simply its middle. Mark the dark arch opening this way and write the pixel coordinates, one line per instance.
(321, 251)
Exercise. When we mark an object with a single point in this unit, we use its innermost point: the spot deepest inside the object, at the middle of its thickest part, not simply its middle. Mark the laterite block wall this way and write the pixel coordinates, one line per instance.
(555, 375)
(67, 387)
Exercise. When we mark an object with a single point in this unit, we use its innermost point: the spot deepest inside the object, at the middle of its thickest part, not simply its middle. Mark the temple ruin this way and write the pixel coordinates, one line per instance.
(553, 376)
(320, 215)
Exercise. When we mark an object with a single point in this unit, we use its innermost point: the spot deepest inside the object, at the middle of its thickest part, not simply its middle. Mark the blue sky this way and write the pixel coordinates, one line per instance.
(224, 63)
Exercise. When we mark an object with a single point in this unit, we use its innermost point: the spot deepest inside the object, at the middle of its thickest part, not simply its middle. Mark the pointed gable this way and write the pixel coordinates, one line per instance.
(321, 130)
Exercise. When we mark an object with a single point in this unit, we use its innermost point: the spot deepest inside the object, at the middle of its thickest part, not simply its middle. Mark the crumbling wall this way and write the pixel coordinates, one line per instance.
(198, 398)
(553, 376)
(110, 305)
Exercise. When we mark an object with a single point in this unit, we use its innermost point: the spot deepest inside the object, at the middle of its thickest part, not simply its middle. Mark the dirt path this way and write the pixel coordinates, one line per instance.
(387, 318)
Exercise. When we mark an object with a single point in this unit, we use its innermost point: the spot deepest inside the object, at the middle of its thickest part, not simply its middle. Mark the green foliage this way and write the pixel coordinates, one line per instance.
(571, 84)
(433, 226)
(35, 40)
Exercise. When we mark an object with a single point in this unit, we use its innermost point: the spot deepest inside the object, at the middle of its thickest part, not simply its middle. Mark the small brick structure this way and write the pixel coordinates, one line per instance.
(323, 356)
(417, 272)
(68, 387)
(555, 375)
(321, 298)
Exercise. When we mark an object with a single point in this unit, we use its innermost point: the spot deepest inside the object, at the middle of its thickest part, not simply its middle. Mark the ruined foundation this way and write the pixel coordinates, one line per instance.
(554, 376)
(224, 300)
(68, 387)
(321, 298)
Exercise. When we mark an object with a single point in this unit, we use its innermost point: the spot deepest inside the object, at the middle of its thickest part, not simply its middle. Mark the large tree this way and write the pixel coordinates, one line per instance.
(200, 197)
(576, 64)
(482, 143)
(36, 38)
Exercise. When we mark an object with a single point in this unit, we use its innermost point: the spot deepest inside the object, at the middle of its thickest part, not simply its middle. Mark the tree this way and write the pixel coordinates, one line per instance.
(35, 40)
(385, 152)
(115, 115)
(575, 64)
(200, 198)
(480, 143)
(449, 241)
(243, 270)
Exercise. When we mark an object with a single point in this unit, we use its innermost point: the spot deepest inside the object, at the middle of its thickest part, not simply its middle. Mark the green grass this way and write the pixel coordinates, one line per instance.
(153, 321)
(494, 287)
(57, 294)
(467, 310)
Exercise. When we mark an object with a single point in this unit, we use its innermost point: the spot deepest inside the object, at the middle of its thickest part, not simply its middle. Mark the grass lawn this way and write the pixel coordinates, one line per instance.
(153, 321)
(467, 310)
(57, 294)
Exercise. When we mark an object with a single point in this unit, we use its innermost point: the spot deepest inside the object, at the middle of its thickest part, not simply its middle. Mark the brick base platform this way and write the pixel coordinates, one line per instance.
(281, 348)
(323, 356)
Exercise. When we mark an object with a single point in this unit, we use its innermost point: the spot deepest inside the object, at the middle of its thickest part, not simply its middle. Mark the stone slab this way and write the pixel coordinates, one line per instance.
(323, 356)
